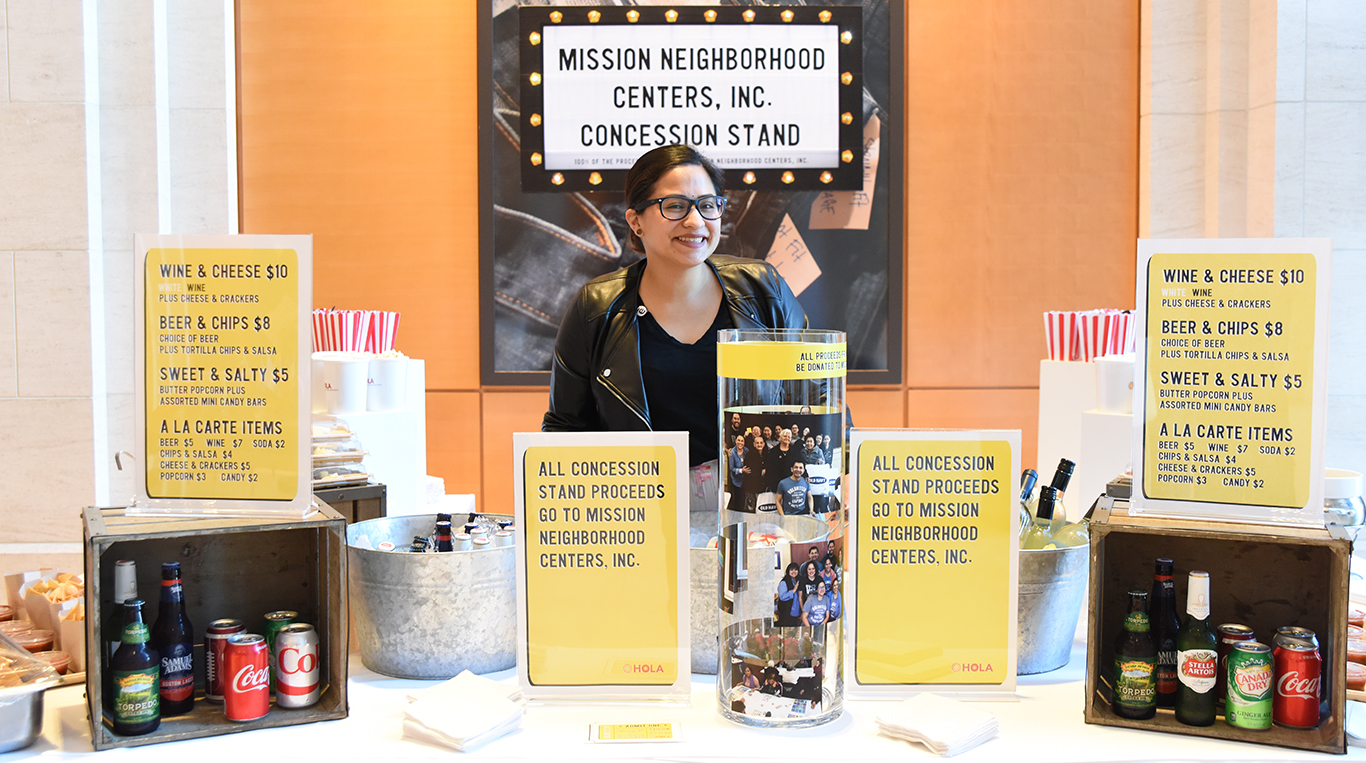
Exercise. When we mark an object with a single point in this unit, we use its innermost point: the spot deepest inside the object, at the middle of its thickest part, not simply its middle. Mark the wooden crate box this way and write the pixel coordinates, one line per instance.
(1261, 576)
(238, 568)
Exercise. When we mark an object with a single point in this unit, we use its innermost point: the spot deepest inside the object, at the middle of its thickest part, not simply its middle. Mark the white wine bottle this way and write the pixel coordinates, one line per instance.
(1040, 533)
(1061, 477)
(1027, 481)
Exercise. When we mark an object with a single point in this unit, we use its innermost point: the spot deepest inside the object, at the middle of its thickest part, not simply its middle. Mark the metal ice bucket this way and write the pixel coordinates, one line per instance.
(430, 615)
(1052, 587)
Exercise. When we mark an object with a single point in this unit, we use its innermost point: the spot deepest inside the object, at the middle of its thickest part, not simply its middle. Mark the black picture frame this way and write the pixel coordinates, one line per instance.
(523, 294)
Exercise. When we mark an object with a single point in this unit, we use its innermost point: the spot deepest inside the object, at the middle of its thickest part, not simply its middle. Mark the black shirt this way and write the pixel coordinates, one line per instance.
(680, 384)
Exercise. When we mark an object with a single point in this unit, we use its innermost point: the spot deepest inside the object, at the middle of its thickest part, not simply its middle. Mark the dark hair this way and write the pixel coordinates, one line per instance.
(652, 165)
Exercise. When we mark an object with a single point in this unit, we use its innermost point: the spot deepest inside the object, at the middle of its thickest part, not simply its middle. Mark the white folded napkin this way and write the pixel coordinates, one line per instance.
(462, 713)
(946, 726)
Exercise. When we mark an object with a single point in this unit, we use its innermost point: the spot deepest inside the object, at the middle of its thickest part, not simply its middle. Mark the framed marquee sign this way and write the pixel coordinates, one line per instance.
(771, 92)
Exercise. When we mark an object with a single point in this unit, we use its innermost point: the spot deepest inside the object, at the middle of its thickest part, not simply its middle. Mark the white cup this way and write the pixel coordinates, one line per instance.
(344, 381)
(1115, 383)
(387, 384)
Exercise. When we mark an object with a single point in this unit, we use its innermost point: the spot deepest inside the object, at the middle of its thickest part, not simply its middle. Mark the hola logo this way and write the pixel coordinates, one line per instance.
(642, 667)
(1292, 684)
(972, 667)
(249, 679)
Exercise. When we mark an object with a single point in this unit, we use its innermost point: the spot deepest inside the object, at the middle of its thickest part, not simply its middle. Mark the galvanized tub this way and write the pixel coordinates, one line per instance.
(430, 615)
(704, 594)
(1052, 588)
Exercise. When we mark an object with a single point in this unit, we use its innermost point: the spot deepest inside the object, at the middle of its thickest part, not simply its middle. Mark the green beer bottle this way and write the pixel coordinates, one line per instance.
(1197, 657)
(137, 677)
(1136, 662)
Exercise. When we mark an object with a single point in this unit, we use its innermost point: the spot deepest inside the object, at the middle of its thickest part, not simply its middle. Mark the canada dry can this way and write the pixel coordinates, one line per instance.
(215, 642)
(1250, 670)
(1228, 635)
(274, 622)
(298, 680)
(246, 677)
(1299, 673)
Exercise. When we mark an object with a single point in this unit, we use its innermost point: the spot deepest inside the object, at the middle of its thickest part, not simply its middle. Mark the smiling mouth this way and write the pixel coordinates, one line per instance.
(692, 239)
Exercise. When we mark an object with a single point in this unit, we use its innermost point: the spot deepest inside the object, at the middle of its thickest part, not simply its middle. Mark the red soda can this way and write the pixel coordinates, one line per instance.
(298, 680)
(246, 677)
(1299, 673)
(215, 641)
(1229, 634)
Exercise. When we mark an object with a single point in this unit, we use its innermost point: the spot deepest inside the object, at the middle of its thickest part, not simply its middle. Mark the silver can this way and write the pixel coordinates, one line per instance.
(298, 673)
(1291, 634)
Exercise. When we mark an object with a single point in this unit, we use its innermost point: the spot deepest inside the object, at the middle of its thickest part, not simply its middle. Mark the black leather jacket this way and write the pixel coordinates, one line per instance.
(595, 380)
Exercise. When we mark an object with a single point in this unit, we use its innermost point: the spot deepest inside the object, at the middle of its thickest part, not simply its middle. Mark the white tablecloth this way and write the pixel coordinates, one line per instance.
(1044, 725)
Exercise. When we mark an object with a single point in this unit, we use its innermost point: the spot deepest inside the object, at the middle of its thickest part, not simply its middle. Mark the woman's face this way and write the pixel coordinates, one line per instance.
(759, 443)
(792, 573)
(686, 242)
(820, 589)
(811, 572)
(830, 565)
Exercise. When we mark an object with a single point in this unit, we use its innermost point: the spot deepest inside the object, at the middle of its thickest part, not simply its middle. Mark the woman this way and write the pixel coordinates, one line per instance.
(756, 476)
(810, 579)
(735, 467)
(778, 461)
(828, 571)
(750, 681)
(817, 606)
(836, 605)
(790, 597)
(636, 349)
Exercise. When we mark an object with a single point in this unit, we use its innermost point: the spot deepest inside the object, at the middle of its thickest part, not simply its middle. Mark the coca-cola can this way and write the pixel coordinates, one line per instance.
(1299, 674)
(1229, 634)
(298, 679)
(246, 677)
(1293, 633)
(215, 641)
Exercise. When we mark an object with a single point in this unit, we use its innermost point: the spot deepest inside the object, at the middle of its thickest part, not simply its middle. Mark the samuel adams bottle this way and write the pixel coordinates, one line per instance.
(1136, 663)
(1164, 627)
(137, 672)
(174, 639)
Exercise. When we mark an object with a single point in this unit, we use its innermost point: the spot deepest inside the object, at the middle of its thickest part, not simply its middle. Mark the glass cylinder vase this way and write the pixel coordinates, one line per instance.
(781, 527)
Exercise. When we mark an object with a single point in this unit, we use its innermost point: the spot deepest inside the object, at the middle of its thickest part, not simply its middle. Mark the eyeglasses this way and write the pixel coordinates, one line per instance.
(678, 207)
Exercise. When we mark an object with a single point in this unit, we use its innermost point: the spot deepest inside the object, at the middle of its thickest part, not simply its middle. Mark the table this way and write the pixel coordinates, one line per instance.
(1044, 725)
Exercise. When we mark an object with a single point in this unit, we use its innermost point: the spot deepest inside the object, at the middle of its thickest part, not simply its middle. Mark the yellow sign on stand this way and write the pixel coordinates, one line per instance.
(933, 562)
(224, 373)
(1230, 367)
(602, 568)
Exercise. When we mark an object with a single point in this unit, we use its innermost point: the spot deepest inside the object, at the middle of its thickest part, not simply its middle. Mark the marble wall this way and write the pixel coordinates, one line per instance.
(1253, 123)
(116, 117)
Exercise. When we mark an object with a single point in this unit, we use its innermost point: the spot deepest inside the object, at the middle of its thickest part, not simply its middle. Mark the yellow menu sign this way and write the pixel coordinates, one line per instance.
(1229, 378)
(221, 383)
(600, 538)
(933, 561)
